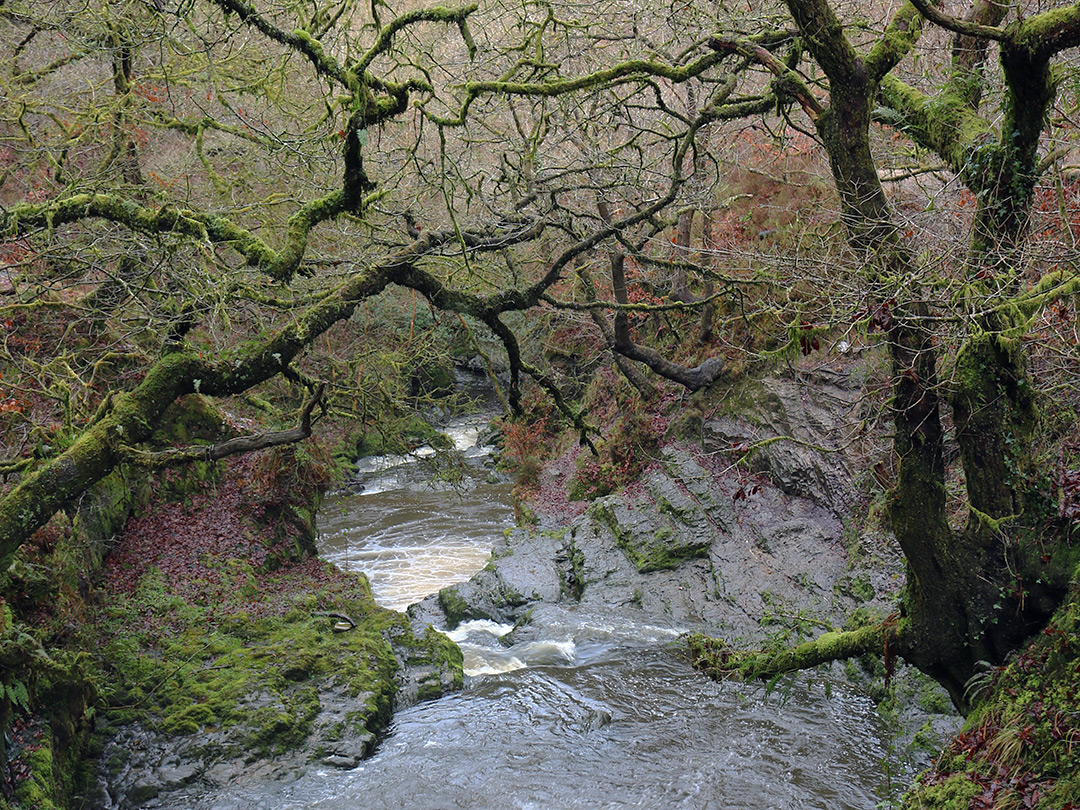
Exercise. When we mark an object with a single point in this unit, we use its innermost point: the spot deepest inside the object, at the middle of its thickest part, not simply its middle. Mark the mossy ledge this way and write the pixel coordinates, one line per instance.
(1020, 746)
(665, 549)
(209, 631)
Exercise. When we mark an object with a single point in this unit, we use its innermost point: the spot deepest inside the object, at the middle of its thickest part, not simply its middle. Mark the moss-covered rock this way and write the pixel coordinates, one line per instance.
(217, 636)
(661, 549)
(400, 435)
(38, 787)
(432, 378)
(1020, 746)
(455, 608)
(281, 682)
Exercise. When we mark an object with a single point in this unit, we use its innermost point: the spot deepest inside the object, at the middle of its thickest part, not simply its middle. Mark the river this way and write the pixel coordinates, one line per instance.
(584, 710)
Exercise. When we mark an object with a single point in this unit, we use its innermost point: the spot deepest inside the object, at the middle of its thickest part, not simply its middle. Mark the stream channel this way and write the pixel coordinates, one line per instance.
(592, 711)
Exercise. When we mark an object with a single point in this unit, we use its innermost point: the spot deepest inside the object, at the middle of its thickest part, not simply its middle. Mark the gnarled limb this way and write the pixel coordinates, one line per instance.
(974, 26)
(131, 417)
(719, 660)
(240, 444)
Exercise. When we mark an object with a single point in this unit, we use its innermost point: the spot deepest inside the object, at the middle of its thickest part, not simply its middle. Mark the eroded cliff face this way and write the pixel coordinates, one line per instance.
(762, 516)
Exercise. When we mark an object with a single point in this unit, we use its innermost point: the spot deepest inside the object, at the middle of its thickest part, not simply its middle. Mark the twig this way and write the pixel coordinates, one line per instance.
(334, 615)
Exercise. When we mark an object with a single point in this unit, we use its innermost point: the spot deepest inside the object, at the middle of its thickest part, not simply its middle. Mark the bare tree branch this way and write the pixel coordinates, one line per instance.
(241, 444)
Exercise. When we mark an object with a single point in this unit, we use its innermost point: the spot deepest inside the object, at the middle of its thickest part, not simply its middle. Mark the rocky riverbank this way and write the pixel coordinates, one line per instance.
(760, 525)
(229, 654)
(761, 511)
(204, 644)
(235, 654)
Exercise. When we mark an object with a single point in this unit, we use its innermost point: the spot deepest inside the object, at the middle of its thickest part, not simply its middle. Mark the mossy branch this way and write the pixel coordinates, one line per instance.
(763, 443)
(996, 525)
(825, 39)
(437, 14)
(22, 219)
(241, 444)
(15, 466)
(945, 123)
(719, 660)
(899, 38)
(131, 417)
(792, 81)
(631, 70)
(957, 25)
(1049, 32)
(33, 76)
(299, 40)
(19, 220)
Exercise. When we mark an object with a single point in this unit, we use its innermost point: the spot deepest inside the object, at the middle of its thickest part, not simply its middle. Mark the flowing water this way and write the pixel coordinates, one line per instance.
(597, 714)
(411, 534)
(585, 710)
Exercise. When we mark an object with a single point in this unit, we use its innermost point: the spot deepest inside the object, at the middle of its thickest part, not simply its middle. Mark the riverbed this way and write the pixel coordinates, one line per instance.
(586, 708)
(608, 716)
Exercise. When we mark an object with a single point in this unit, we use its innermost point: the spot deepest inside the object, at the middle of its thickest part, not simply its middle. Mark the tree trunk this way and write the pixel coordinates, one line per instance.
(954, 614)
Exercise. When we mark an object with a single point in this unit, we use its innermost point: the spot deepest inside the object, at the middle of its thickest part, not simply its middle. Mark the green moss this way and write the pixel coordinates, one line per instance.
(857, 587)
(660, 551)
(716, 658)
(429, 689)
(399, 436)
(927, 739)
(574, 582)
(1019, 741)
(659, 556)
(955, 793)
(944, 123)
(39, 788)
(931, 698)
(104, 509)
(442, 650)
(260, 677)
(455, 608)
(190, 419)
(284, 726)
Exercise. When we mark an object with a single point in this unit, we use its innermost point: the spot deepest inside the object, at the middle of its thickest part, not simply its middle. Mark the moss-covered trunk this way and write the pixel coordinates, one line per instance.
(94, 453)
(954, 613)
(130, 418)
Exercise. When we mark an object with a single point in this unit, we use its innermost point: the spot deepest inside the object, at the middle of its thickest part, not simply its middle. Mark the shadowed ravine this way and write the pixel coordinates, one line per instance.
(583, 710)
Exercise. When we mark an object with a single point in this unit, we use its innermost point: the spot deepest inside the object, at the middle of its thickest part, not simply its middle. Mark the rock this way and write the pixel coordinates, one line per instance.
(679, 547)
(817, 436)
(525, 572)
(148, 764)
(336, 761)
(432, 379)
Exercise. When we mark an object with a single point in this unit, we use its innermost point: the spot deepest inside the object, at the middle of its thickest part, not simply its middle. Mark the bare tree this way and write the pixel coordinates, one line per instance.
(227, 180)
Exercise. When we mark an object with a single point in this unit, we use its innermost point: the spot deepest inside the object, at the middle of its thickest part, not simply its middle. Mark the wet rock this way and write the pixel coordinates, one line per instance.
(481, 365)
(524, 571)
(813, 432)
(680, 548)
(338, 761)
(141, 767)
